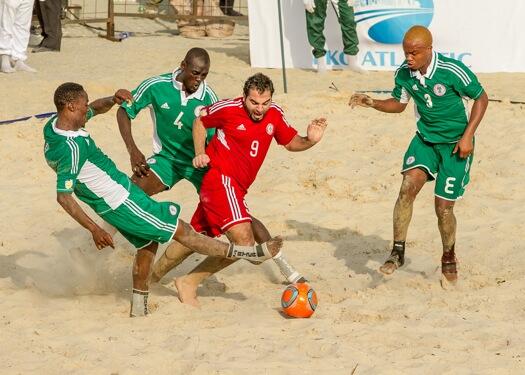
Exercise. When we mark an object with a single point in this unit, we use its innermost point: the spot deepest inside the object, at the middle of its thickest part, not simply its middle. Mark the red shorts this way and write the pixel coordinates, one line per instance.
(221, 205)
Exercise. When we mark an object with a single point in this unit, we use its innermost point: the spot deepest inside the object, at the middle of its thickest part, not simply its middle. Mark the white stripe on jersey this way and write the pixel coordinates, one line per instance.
(74, 155)
(457, 68)
(145, 83)
(232, 199)
(457, 71)
(102, 185)
(399, 69)
(224, 104)
(405, 96)
(212, 94)
(146, 216)
(138, 95)
(273, 105)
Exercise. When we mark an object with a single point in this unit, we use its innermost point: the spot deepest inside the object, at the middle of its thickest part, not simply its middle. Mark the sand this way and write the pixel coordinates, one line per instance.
(64, 305)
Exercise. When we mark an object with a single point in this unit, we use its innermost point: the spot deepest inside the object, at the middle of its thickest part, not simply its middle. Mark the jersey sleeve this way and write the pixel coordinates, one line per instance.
(465, 82)
(68, 166)
(284, 132)
(214, 116)
(399, 92)
(211, 98)
(142, 97)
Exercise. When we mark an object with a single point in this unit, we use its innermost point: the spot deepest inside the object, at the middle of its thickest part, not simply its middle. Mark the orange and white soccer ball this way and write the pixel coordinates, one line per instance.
(299, 300)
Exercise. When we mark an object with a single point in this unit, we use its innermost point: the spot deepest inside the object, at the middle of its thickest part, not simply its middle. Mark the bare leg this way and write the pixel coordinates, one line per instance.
(240, 234)
(142, 266)
(140, 273)
(447, 228)
(413, 181)
(174, 255)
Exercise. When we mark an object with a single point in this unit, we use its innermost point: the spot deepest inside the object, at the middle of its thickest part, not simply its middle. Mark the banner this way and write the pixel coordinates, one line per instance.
(486, 36)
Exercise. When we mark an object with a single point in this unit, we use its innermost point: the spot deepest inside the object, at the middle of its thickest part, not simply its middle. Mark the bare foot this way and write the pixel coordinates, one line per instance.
(388, 268)
(449, 270)
(449, 281)
(187, 292)
(274, 245)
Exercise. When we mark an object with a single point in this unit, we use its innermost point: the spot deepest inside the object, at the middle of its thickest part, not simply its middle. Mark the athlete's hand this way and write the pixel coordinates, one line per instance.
(315, 130)
(139, 166)
(122, 95)
(102, 238)
(309, 5)
(362, 100)
(201, 160)
(465, 146)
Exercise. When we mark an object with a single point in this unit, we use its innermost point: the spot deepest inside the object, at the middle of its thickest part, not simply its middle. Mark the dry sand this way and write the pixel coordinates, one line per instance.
(64, 306)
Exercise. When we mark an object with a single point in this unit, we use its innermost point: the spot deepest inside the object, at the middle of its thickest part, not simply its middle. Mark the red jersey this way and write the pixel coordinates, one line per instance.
(240, 144)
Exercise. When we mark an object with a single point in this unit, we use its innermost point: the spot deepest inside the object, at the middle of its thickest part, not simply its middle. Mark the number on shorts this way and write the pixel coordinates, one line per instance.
(254, 149)
(449, 185)
(429, 100)
(177, 122)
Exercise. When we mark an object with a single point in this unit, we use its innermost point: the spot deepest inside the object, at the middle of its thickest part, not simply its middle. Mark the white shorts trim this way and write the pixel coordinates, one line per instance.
(163, 183)
(149, 243)
(434, 175)
(236, 221)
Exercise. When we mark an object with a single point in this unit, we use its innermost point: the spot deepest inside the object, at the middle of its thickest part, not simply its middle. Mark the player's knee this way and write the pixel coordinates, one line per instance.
(244, 239)
(444, 211)
(408, 193)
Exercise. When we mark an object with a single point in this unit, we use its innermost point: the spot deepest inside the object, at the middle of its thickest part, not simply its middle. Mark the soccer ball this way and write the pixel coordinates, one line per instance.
(299, 300)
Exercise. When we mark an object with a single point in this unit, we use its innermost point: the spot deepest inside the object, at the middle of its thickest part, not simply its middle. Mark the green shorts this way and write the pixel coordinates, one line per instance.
(171, 171)
(142, 220)
(452, 174)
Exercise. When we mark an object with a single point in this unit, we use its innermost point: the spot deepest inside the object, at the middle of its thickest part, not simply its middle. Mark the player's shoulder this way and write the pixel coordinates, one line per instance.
(454, 68)
(225, 105)
(402, 72)
(160, 79)
(209, 94)
(276, 110)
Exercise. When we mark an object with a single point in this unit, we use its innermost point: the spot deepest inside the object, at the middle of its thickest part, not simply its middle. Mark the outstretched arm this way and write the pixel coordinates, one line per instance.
(465, 146)
(103, 105)
(314, 134)
(139, 166)
(390, 105)
(201, 160)
(100, 236)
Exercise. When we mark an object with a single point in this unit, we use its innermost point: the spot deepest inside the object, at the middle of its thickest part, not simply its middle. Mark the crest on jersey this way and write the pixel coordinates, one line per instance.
(173, 210)
(151, 161)
(68, 184)
(269, 129)
(410, 160)
(439, 89)
(199, 111)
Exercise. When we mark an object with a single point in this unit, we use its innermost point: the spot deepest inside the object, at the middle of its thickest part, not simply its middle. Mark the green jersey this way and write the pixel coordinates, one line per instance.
(440, 97)
(172, 113)
(82, 168)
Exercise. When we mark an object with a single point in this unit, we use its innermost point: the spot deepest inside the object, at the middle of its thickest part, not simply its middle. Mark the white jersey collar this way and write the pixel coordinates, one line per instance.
(199, 94)
(430, 71)
(68, 133)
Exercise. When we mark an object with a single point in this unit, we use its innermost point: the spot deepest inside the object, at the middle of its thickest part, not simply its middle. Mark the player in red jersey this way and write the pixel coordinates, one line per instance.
(245, 128)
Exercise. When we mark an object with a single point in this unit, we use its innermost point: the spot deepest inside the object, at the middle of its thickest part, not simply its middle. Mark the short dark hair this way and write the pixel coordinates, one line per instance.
(66, 93)
(197, 53)
(259, 82)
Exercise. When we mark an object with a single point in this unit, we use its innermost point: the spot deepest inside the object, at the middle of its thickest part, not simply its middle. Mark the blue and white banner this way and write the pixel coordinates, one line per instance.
(486, 36)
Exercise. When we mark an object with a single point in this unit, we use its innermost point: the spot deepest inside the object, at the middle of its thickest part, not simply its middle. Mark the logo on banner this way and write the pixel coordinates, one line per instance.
(387, 21)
